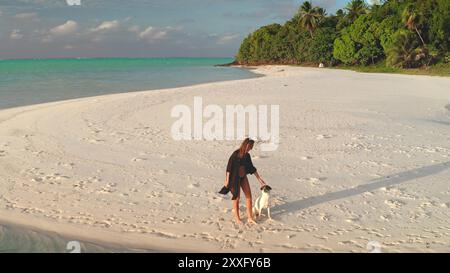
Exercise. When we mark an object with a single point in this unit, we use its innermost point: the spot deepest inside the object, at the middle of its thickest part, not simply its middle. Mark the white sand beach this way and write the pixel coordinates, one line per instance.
(362, 158)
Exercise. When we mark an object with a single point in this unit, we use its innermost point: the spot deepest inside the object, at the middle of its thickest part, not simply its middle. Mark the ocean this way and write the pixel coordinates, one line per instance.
(26, 82)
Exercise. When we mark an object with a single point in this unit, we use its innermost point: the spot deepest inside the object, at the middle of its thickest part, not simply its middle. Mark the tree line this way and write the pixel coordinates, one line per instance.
(399, 33)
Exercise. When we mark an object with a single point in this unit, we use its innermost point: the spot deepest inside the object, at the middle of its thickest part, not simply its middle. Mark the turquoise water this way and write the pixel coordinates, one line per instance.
(25, 82)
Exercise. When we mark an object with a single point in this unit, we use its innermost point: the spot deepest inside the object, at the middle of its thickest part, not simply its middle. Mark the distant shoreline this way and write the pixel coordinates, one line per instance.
(442, 70)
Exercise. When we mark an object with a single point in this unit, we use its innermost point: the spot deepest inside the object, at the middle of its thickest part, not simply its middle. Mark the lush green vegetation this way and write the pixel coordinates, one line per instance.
(392, 36)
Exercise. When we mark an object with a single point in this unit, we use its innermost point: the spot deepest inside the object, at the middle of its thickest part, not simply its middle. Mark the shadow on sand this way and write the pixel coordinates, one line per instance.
(389, 180)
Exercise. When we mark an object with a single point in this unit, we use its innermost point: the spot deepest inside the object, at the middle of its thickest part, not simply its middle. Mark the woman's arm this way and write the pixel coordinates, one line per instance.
(227, 179)
(259, 178)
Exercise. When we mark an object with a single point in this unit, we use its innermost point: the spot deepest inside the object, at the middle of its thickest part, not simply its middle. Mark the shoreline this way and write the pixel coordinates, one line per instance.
(359, 69)
(114, 151)
(17, 238)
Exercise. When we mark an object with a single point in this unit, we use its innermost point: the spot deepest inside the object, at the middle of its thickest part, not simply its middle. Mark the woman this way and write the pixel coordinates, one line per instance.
(239, 165)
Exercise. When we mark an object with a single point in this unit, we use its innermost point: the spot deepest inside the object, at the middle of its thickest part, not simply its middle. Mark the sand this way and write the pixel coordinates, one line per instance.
(363, 160)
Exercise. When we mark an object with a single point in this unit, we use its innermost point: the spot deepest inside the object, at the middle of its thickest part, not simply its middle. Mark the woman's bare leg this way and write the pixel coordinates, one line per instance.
(248, 198)
(236, 211)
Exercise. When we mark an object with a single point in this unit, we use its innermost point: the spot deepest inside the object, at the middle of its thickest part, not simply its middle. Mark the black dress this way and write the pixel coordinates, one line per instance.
(233, 168)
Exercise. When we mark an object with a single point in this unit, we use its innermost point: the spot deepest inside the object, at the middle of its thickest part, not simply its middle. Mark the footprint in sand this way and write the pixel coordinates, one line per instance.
(52, 179)
(121, 140)
(394, 204)
(386, 217)
(429, 204)
(2, 153)
(138, 159)
(324, 217)
(80, 185)
(92, 140)
(193, 185)
(306, 158)
(95, 140)
(314, 181)
(109, 188)
(37, 179)
(320, 137)
(66, 165)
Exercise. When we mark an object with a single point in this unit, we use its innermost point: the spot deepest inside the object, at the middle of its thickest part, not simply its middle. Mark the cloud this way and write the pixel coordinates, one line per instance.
(151, 33)
(69, 47)
(46, 39)
(41, 2)
(73, 2)
(134, 29)
(68, 27)
(106, 26)
(227, 39)
(16, 35)
(29, 16)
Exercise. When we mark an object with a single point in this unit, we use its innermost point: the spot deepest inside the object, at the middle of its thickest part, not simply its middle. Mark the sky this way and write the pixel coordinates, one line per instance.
(137, 28)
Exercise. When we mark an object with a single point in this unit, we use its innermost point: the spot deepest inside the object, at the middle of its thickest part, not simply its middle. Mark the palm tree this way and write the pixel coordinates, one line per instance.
(411, 19)
(321, 12)
(355, 8)
(310, 17)
(404, 51)
(340, 13)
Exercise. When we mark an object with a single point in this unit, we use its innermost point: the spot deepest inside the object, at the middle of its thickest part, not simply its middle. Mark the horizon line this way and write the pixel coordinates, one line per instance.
(115, 57)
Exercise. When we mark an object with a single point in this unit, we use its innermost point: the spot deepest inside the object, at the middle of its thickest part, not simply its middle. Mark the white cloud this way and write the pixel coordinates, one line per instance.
(97, 39)
(16, 35)
(134, 29)
(105, 26)
(73, 2)
(47, 39)
(177, 28)
(27, 16)
(227, 39)
(65, 29)
(152, 33)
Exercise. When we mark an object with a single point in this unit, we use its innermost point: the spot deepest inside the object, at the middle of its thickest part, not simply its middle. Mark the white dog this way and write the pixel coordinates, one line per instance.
(263, 202)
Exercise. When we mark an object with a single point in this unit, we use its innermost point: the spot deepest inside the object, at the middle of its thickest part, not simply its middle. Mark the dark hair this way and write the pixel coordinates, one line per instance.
(244, 146)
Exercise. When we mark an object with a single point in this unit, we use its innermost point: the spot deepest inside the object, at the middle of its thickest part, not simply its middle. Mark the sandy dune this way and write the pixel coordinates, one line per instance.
(362, 158)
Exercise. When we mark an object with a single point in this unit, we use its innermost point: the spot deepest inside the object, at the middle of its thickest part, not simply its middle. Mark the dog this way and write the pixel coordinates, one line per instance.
(263, 202)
